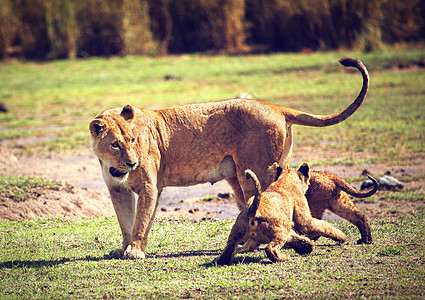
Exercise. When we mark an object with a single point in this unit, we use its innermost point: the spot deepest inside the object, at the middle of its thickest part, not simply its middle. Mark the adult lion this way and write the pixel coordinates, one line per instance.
(143, 151)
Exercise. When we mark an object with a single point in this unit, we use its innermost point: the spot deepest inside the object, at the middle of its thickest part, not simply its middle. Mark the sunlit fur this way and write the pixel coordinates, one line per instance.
(328, 191)
(191, 144)
(275, 216)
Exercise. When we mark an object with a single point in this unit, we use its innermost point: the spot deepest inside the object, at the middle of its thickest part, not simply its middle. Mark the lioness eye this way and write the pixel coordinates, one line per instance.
(115, 145)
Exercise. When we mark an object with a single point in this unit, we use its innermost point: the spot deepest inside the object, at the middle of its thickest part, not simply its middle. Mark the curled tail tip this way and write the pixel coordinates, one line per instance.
(350, 62)
(375, 185)
(375, 182)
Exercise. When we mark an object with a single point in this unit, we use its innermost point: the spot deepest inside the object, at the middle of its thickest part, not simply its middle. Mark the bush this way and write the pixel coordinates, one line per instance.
(50, 29)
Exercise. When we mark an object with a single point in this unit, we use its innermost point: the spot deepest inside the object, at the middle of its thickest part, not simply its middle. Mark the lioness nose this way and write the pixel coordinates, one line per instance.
(130, 164)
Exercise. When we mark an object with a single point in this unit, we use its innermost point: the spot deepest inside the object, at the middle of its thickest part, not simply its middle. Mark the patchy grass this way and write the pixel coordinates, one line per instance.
(21, 188)
(58, 258)
(411, 195)
(52, 103)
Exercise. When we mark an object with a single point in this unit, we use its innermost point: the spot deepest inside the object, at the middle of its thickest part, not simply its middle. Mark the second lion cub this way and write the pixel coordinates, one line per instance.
(328, 191)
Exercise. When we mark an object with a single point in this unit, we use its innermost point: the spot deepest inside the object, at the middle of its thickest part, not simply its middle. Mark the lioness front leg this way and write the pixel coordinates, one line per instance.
(124, 202)
(145, 215)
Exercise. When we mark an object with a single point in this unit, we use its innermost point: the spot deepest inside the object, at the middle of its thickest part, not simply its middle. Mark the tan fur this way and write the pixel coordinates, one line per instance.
(328, 191)
(272, 214)
(193, 144)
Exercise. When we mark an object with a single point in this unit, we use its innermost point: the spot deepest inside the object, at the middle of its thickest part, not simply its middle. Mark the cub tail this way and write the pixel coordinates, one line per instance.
(354, 192)
(256, 202)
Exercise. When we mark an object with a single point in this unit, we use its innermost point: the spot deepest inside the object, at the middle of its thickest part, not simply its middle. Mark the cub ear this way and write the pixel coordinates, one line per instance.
(278, 172)
(97, 126)
(274, 171)
(128, 113)
(304, 170)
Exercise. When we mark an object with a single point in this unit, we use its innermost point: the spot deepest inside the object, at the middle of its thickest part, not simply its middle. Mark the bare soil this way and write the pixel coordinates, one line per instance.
(89, 196)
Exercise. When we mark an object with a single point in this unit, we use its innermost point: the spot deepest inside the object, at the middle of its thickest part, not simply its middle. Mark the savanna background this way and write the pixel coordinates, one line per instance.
(62, 62)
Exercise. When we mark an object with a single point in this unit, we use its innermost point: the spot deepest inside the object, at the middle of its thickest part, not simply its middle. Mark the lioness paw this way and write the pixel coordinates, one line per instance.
(117, 253)
(130, 253)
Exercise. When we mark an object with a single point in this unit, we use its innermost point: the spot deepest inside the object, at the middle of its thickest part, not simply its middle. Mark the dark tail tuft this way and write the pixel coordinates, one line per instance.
(350, 62)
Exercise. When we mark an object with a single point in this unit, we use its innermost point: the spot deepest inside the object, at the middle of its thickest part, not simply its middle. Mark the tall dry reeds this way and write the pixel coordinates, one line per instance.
(136, 33)
(49, 29)
(61, 28)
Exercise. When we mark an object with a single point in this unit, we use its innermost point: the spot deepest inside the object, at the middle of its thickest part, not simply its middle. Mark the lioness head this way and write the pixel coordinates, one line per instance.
(113, 141)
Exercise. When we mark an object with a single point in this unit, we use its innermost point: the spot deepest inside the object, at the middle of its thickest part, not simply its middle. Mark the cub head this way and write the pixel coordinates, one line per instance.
(114, 141)
(260, 229)
(300, 178)
(274, 171)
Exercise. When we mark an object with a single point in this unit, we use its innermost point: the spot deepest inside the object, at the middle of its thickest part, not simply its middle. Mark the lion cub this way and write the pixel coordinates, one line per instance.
(271, 215)
(328, 191)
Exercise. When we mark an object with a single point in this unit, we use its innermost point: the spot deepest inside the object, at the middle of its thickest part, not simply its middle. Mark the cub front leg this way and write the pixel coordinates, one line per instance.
(145, 215)
(301, 244)
(237, 235)
(273, 251)
(227, 255)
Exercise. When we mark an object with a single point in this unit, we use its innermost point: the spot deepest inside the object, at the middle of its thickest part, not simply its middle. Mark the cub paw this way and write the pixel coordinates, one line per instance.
(303, 246)
(131, 253)
(364, 241)
(222, 261)
(342, 239)
(249, 246)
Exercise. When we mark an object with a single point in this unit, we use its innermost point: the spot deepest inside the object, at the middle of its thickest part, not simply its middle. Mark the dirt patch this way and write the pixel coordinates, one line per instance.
(90, 198)
(62, 203)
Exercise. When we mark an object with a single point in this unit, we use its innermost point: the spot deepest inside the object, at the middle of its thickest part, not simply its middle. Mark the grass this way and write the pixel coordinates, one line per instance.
(21, 188)
(411, 195)
(58, 258)
(52, 103)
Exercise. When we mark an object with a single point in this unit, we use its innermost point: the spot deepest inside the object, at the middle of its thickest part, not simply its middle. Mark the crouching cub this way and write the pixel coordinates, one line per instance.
(272, 216)
(328, 191)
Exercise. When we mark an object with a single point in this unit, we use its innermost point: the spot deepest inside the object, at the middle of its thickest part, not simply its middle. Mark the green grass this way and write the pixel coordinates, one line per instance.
(58, 258)
(52, 103)
(21, 188)
(407, 194)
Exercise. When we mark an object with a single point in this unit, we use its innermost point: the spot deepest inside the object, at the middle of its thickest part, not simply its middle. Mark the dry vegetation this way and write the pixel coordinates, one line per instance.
(50, 29)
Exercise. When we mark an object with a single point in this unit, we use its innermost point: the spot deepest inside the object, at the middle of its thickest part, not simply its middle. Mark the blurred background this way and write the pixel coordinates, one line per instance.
(59, 29)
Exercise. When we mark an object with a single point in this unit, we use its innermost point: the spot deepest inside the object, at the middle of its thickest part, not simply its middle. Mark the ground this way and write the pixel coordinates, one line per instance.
(88, 196)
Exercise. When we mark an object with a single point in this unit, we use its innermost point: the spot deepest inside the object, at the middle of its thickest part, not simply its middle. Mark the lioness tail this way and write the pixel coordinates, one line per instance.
(306, 119)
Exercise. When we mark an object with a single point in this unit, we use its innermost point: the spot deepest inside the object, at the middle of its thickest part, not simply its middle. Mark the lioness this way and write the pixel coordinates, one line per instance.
(143, 151)
(328, 191)
(271, 215)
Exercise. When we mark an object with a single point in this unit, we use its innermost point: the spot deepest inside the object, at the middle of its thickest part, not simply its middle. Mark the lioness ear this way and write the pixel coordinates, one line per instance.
(128, 113)
(97, 126)
(305, 169)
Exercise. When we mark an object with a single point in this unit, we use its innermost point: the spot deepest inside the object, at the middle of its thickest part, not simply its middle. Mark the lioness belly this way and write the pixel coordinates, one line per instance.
(210, 171)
